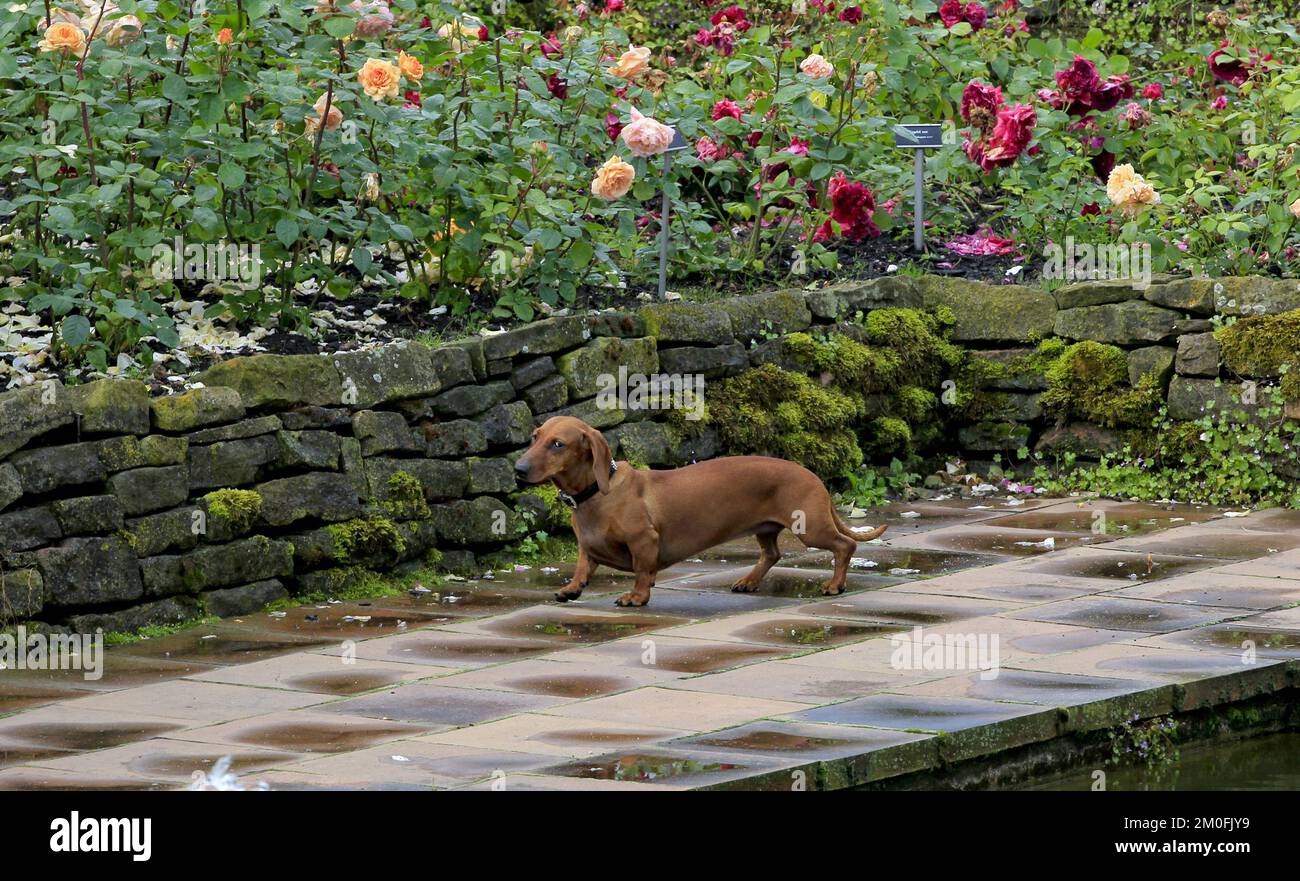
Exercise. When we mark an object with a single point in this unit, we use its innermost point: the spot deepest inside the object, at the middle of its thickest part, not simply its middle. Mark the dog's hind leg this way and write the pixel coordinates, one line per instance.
(769, 555)
(824, 531)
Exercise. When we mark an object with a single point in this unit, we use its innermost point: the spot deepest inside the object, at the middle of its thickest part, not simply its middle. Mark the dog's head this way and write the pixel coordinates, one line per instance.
(567, 451)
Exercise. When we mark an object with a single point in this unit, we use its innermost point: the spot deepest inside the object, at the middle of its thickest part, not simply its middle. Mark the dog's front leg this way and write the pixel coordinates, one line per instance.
(645, 565)
(582, 571)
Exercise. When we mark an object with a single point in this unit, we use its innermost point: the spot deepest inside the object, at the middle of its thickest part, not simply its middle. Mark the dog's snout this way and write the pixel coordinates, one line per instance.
(521, 467)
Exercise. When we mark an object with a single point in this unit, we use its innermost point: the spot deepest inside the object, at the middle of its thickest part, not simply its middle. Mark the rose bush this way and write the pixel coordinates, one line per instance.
(414, 150)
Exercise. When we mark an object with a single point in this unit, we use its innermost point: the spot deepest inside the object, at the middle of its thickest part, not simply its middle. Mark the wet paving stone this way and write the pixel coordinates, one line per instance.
(360, 620)
(561, 625)
(680, 600)
(444, 648)
(985, 539)
(917, 712)
(1031, 687)
(15, 697)
(676, 655)
(23, 754)
(1117, 566)
(118, 670)
(1209, 589)
(183, 765)
(896, 607)
(454, 600)
(81, 736)
(307, 732)
(804, 741)
(812, 632)
(1107, 521)
(442, 705)
(221, 644)
(1237, 544)
(1236, 638)
(655, 767)
(1144, 662)
(1113, 613)
(783, 582)
(900, 562)
(45, 780)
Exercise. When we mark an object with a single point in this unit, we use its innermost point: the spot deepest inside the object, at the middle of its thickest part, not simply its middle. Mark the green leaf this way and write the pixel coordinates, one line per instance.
(75, 330)
(340, 26)
(286, 230)
(231, 176)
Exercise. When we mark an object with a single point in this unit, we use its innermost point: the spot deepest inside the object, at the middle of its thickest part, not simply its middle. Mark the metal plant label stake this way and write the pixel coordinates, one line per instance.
(679, 143)
(918, 138)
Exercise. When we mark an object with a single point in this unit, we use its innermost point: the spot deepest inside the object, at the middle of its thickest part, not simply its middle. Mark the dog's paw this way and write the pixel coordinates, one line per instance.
(568, 594)
(829, 591)
(632, 599)
(743, 586)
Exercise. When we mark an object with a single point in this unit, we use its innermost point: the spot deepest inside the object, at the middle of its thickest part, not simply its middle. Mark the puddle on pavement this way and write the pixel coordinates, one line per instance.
(570, 686)
(916, 713)
(581, 737)
(809, 633)
(322, 737)
(14, 698)
(1233, 637)
(350, 620)
(889, 609)
(456, 649)
(223, 645)
(456, 600)
(1163, 663)
(1008, 543)
(788, 582)
(576, 627)
(1072, 640)
(1115, 613)
(182, 766)
(1048, 688)
(84, 735)
(1130, 567)
(767, 740)
(711, 658)
(640, 768)
(899, 562)
(17, 754)
(342, 683)
(1120, 521)
(1236, 545)
(35, 781)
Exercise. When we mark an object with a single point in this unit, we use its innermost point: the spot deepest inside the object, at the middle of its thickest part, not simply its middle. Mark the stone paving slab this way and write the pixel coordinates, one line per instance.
(485, 683)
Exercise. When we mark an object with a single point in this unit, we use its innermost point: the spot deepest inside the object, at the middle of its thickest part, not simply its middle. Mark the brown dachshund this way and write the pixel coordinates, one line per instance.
(644, 521)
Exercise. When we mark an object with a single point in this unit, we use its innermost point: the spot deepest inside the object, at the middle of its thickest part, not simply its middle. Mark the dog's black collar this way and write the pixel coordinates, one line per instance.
(575, 501)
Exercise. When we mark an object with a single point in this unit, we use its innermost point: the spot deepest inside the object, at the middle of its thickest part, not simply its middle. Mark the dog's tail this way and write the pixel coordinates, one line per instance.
(863, 534)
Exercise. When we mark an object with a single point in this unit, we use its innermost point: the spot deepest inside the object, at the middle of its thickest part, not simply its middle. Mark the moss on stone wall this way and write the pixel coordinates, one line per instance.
(367, 538)
(782, 413)
(1260, 345)
(238, 507)
(1089, 381)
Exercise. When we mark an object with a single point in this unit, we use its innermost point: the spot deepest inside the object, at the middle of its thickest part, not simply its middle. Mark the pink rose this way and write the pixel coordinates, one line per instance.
(645, 136)
(376, 18)
(726, 107)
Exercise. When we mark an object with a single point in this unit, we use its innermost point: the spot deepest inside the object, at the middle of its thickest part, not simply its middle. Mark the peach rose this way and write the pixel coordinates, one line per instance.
(65, 37)
(332, 120)
(457, 34)
(645, 136)
(410, 66)
(632, 62)
(376, 18)
(224, 36)
(1129, 191)
(1295, 208)
(379, 79)
(123, 31)
(816, 67)
(613, 179)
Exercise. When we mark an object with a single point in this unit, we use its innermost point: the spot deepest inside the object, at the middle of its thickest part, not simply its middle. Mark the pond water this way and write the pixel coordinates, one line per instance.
(1269, 762)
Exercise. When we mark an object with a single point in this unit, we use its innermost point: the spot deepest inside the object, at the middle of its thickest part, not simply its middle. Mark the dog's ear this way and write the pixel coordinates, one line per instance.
(600, 457)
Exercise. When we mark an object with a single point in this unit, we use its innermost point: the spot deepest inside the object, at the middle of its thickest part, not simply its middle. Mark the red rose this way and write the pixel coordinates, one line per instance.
(726, 107)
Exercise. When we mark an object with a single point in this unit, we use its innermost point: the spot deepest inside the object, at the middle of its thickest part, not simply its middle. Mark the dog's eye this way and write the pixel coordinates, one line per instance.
(558, 445)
